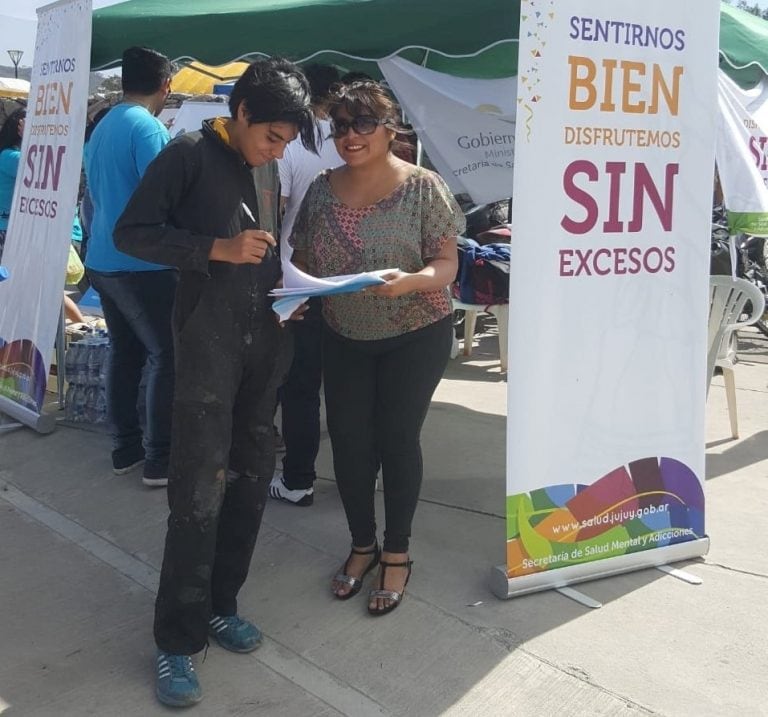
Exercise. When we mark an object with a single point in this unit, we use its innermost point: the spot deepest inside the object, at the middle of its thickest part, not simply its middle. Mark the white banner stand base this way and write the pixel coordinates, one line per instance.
(504, 587)
(8, 427)
(40, 422)
(680, 574)
(579, 597)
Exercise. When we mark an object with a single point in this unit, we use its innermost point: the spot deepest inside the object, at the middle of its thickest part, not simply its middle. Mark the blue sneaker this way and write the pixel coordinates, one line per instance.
(177, 683)
(235, 634)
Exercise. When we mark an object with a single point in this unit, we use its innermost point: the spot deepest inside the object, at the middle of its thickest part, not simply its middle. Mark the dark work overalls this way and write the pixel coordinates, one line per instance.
(231, 355)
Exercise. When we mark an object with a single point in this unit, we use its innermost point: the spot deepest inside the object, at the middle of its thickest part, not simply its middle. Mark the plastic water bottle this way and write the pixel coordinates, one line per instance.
(85, 378)
(79, 401)
(69, 402)
(70, 359)
(104, 364)
(81, 362)
(101, 405)
(92, 362)
(101, 400)
(91, 398)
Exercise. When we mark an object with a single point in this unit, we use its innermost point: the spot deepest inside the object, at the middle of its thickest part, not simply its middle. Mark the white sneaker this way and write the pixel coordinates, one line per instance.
(278, 491)
(279, 442)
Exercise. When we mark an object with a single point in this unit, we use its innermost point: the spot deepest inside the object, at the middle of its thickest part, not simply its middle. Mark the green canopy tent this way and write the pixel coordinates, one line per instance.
(476, 39)
(471, 39)
(743, 45)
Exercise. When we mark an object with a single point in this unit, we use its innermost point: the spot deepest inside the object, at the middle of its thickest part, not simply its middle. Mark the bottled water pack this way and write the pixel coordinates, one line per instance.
(85, 367)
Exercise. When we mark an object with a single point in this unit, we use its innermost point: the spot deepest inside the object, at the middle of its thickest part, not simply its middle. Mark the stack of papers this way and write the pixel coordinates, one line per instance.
(299, 286)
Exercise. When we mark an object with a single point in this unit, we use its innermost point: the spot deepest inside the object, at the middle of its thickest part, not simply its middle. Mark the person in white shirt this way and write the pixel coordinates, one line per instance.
(300, 394)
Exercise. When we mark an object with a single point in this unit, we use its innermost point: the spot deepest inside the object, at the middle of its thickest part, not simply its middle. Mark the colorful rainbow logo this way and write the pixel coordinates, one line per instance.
(22, 373)
(650, 503)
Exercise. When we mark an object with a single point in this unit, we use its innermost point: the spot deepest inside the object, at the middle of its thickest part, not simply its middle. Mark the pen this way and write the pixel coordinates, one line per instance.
(248, 212)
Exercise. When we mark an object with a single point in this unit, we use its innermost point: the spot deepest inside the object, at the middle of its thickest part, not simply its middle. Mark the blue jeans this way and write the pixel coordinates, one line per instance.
(137, 308)
(300, 401)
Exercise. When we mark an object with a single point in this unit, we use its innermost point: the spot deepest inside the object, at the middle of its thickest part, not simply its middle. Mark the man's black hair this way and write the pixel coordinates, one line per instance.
(275, 90)
(321, 78)
(355, 76)
(144, 70)
(9, 132)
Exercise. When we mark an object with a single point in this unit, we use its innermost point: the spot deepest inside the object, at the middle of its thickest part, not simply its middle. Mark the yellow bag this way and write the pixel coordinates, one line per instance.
(75, 268)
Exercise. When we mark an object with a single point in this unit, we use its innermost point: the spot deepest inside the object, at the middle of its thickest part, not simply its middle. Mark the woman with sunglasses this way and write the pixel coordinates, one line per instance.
(384, 349)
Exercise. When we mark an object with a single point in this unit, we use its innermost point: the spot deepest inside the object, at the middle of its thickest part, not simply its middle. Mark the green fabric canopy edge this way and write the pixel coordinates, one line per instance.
(360, 32)
(352, 34)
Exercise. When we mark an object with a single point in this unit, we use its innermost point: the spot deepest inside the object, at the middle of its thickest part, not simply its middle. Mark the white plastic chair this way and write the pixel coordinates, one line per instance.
(500, 311)
(727, 298)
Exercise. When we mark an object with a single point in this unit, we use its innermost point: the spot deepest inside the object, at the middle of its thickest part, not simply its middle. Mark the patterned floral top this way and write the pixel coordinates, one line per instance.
(404, 230)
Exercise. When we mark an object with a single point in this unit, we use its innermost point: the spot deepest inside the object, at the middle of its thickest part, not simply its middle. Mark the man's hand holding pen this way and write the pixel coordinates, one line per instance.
(248, 247)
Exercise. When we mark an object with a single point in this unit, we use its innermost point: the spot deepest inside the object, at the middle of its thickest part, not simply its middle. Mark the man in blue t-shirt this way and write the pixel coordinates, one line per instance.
(136, 296)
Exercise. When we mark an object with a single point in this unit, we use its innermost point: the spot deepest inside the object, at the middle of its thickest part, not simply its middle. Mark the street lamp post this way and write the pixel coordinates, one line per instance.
(15, 56)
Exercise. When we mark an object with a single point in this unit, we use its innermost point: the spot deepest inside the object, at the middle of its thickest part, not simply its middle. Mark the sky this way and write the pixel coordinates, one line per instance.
(18, 26)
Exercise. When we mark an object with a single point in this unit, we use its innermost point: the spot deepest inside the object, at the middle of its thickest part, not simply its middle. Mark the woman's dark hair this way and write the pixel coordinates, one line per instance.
(365, 98)
(275, 90)
(355, 76)
(144, 70)
(9, 132)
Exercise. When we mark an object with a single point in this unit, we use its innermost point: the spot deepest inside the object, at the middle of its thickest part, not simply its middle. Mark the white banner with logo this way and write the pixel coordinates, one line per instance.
(742, 155)
(467, 126)
(44, 201)
(614, 166)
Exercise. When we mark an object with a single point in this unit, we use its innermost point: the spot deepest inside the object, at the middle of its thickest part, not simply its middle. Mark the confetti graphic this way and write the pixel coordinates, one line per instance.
(537, 15)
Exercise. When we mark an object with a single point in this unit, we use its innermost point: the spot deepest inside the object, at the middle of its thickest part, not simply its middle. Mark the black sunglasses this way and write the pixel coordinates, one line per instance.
(362, 124)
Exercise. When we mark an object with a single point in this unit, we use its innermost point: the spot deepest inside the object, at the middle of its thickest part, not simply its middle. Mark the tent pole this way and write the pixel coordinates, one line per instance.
(60, 357)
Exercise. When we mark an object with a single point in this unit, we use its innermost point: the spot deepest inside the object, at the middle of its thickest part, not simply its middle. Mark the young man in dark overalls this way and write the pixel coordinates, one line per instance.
(209, 206)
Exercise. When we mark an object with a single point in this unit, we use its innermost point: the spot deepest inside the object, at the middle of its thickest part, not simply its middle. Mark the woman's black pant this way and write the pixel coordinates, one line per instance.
(222, 459)
(377, 394)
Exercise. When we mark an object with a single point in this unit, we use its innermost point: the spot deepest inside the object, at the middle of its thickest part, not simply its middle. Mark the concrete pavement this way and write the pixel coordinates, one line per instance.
(80, 551)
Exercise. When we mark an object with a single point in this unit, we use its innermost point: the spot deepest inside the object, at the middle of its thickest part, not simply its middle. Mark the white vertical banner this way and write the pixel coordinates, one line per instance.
(614, 166)
(44, 201)
(742, 155)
